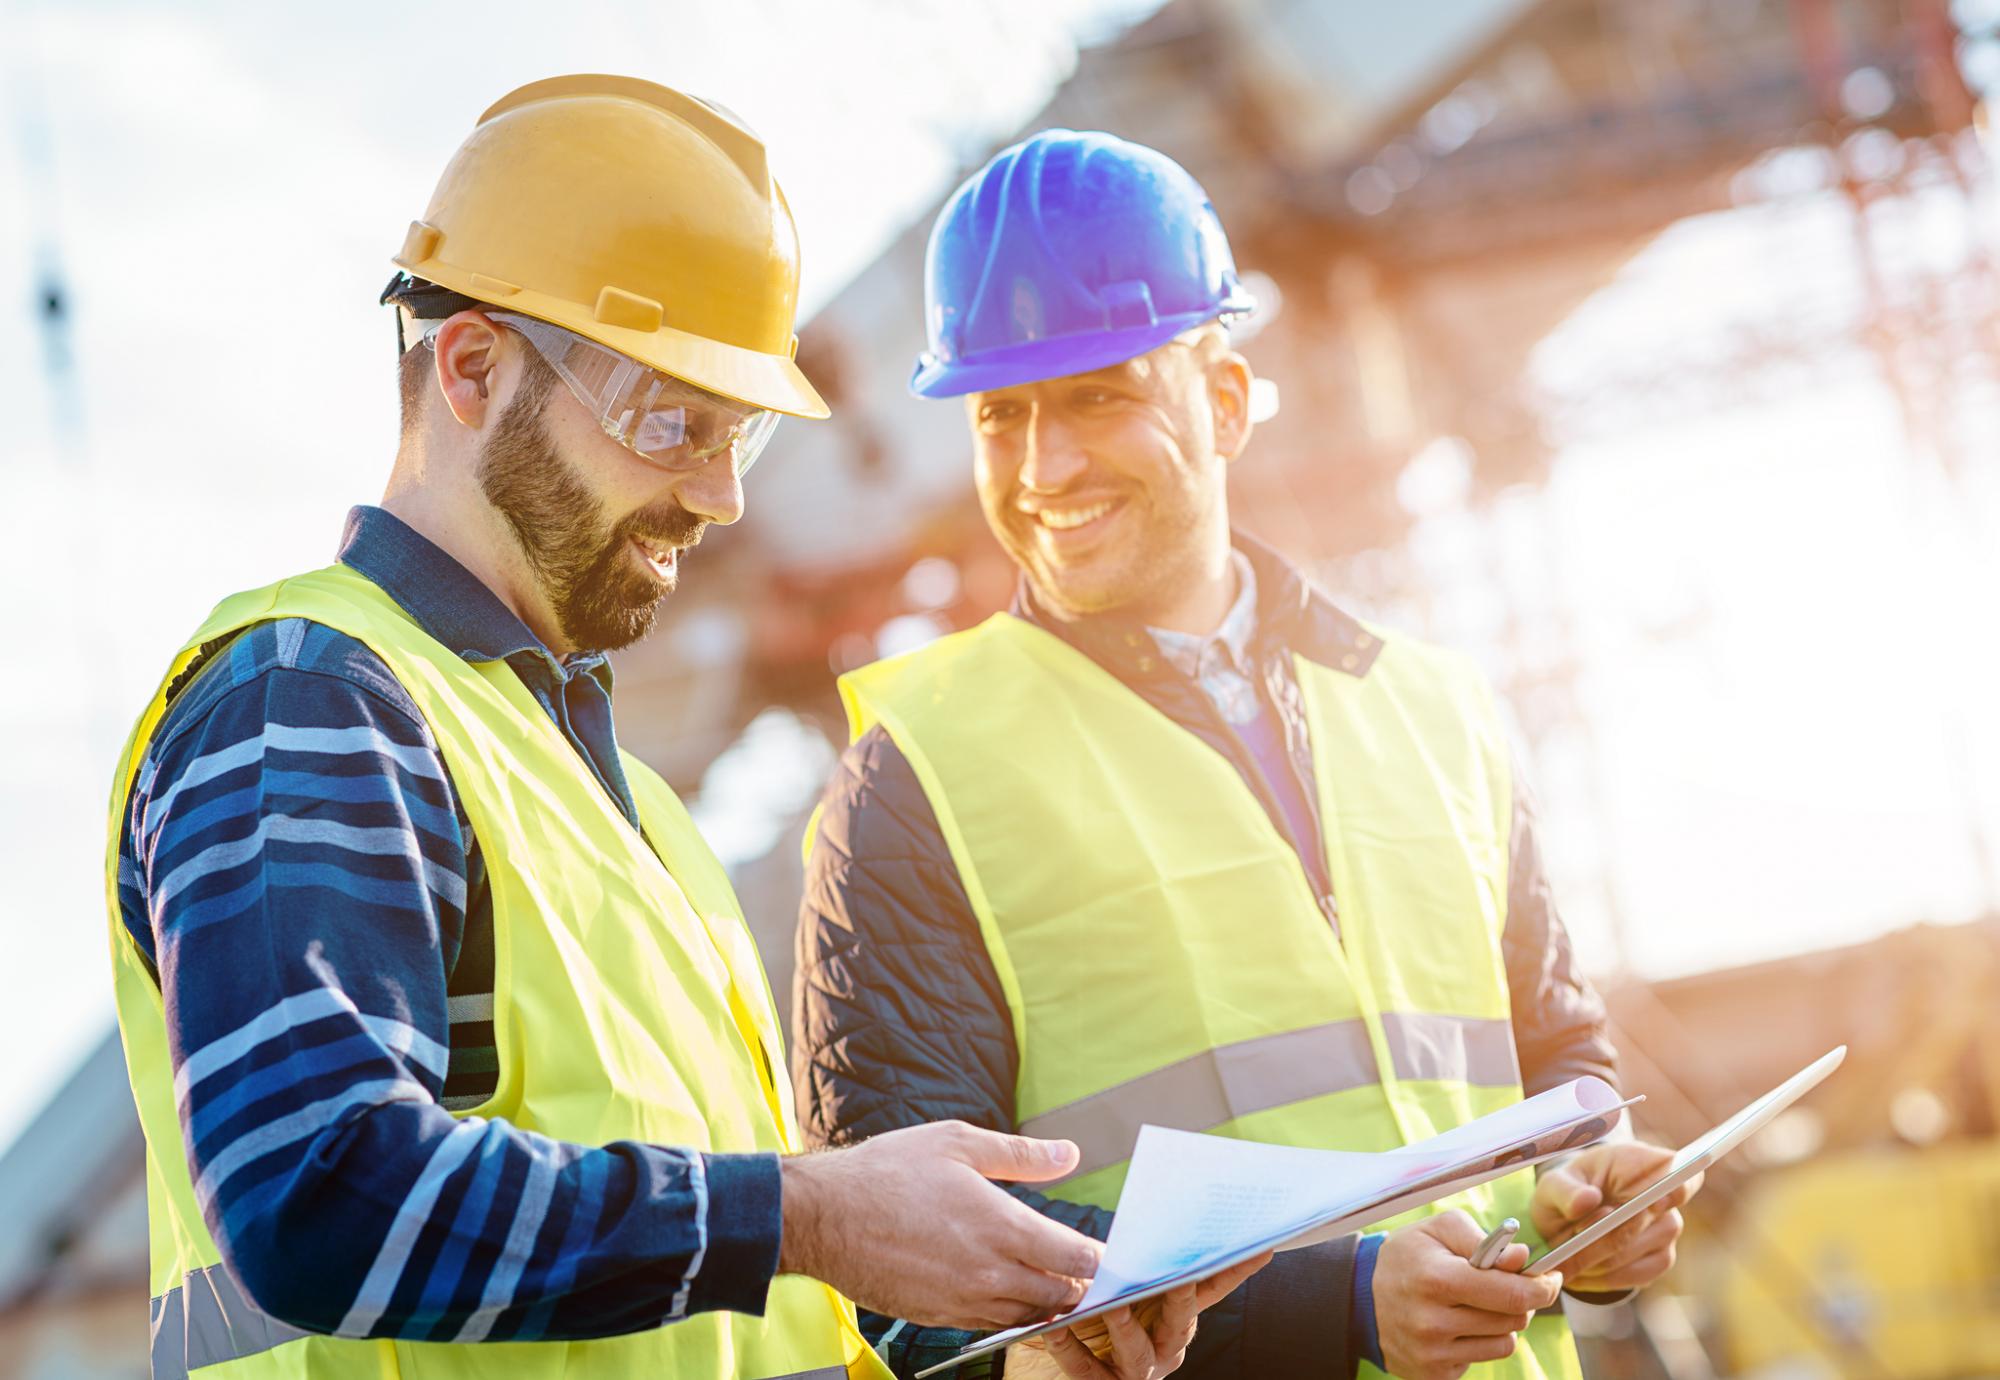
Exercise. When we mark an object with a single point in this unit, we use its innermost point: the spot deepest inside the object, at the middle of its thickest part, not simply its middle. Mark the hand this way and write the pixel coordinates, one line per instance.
(1142, 1342)
(1570, 1195)
(906, 1224)
(1435, 1314)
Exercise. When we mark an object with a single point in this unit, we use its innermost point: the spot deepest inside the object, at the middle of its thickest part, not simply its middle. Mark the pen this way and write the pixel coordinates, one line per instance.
(1497, 1240)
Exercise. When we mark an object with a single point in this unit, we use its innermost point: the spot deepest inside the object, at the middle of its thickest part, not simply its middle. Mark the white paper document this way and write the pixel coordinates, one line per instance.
(1195, 1204)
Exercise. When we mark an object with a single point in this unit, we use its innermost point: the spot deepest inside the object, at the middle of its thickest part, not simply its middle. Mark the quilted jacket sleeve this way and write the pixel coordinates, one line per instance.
(1561, 1030)
(899, 1019)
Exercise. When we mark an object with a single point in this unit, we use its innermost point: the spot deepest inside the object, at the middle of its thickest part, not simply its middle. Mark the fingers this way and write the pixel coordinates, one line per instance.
(1566, 1195)
(1177, 1317)
(1218, 1287)
(1041, 1243)
(1496, 1291)
(1456, 1229)
(1643, 1271)
(1477, 1322)
(1655, 1247)
(1514, 1259)
(1624, 1242)
(1019, 1159)
(1022, 1295)
(1074, 1359)
(1468, 1351)
(1132, 1351)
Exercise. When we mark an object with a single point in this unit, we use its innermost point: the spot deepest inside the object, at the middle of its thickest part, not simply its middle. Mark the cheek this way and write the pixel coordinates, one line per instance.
(993, 478)
(620, 483)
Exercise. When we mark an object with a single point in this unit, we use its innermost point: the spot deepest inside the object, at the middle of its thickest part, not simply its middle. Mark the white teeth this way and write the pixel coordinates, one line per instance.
(1067, 518)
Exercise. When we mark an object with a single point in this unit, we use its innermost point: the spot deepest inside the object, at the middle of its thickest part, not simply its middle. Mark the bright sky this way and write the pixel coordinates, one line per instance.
(1785, 643)
(1783, 610)
(231, 178)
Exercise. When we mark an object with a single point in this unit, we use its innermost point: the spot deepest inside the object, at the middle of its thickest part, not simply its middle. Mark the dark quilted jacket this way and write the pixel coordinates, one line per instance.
(898, 1017)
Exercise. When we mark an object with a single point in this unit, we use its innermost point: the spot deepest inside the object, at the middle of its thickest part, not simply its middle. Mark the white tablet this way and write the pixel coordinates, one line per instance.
(1696, 1157)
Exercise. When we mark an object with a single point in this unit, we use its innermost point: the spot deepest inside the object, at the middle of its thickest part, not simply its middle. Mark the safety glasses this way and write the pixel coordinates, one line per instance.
(663, 420)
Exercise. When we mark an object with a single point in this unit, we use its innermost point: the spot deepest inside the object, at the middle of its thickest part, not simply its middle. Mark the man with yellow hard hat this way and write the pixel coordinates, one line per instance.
(1177, 840)
(443, 1023)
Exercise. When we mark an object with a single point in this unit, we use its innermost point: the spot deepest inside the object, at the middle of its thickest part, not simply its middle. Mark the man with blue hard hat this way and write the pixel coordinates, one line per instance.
(1175, 839)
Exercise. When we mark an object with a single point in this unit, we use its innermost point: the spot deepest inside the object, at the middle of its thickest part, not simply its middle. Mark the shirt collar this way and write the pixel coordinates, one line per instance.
(1187, 650)
(447, 601)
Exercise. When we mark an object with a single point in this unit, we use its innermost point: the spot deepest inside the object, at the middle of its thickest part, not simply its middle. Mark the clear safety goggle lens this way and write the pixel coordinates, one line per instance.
(663, 420)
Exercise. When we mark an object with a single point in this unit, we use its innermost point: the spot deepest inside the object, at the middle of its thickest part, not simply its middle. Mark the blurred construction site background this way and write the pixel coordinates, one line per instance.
(1647, 349)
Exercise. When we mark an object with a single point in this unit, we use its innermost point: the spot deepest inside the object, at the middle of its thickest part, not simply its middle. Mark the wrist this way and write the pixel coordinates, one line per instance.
(800, 1207)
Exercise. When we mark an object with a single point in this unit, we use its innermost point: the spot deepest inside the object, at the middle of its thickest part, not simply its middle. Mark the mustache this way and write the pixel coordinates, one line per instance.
(667, 524)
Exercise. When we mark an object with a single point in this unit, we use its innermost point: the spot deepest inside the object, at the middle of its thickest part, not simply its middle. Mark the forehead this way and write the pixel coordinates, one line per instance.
(1141, 371)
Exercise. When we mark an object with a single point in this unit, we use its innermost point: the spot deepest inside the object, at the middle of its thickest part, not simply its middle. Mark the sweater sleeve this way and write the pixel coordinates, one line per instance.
(295, 869)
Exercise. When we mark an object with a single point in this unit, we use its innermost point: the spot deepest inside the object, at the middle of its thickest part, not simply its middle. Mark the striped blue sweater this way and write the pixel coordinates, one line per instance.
(301, 876)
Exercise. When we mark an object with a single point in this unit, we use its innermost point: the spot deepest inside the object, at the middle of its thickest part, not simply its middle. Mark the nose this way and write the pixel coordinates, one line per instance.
(1052, 459)
(713, 491)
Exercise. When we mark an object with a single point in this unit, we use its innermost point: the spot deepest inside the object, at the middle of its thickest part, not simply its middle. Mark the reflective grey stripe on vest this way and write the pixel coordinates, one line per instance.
(1255, 1075)
(205, 1321)
(1453, 1049)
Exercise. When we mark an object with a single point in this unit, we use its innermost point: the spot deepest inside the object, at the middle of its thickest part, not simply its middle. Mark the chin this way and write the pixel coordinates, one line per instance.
(1079, 598)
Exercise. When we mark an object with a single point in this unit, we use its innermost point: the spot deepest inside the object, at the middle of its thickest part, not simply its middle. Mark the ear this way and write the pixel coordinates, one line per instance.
(467, 347)
(1229, 379)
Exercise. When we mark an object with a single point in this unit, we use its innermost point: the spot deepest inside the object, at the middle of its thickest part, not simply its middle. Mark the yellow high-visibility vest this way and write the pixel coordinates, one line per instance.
(629, 1004)
(1164, 956)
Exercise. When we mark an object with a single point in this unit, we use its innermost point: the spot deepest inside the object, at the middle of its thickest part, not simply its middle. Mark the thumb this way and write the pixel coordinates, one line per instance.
(1566, 1194)
(1022, 1159)
(1457, 1231)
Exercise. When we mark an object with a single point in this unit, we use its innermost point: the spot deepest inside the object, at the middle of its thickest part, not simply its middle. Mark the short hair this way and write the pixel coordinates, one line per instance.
(413, 372)
(418, 303)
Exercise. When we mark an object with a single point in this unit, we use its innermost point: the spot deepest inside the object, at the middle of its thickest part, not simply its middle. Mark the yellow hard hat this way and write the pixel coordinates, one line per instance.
(634, 215)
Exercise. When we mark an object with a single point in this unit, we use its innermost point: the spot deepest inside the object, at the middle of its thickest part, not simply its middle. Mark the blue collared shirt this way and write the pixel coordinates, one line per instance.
(299, 870)
(1224, 666)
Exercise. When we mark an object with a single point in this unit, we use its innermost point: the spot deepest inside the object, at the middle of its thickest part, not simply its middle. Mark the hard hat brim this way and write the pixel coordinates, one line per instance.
(747, 376)
(1036, 361)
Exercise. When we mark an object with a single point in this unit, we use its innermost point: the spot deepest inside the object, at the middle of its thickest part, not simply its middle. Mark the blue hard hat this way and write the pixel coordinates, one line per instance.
(1068, 252)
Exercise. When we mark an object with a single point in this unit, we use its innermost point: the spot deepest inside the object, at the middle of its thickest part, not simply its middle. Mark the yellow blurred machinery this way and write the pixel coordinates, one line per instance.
(1859, 1235)
(1869, 1263)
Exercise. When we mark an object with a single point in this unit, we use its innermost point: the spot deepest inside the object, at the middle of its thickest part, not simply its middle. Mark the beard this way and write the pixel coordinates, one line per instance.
(601, 597)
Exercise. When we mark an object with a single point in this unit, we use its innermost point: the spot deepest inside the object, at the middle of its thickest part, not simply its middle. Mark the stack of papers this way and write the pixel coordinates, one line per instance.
(1196, 1204)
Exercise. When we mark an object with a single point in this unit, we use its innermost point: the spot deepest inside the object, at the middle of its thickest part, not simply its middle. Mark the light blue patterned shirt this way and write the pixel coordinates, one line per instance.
(1220, 662)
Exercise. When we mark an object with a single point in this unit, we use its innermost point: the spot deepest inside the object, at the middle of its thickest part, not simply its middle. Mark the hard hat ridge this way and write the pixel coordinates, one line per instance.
(1068, 252)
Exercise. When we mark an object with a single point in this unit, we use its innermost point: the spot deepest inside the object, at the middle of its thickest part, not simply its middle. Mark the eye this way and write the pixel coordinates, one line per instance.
(1094, 396)
(999, 415)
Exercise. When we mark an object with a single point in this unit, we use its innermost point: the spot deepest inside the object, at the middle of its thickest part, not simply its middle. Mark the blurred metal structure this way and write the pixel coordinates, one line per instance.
(73, 1251)
(1427, 192)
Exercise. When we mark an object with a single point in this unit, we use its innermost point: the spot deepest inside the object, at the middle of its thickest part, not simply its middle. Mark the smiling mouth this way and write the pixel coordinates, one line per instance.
(1074, 519)
(664, 560)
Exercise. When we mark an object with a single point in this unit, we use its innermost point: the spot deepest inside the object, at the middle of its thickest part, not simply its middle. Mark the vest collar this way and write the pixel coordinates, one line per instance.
(448, 601)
